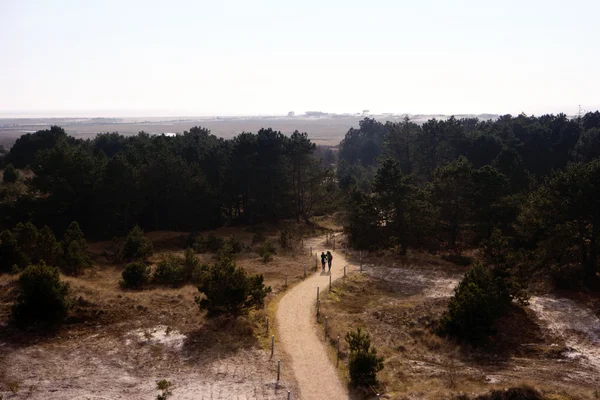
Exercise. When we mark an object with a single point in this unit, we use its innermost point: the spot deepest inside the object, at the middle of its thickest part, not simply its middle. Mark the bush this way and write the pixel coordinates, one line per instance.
(194, 270)
(137, 246)
(363, 363)
(266, 251)
(195, 242)
(236, 245)
(479, 299)
(228, 289)
(48, 248)
(285, 238)
(10, 253)
(213, 243)
(11, 175)
(42, 296)
(170, 271)
(74, 248)
(136, 275)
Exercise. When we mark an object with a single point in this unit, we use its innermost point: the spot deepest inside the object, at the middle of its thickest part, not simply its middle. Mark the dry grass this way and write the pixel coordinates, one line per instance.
(101, 305)
(420, 364)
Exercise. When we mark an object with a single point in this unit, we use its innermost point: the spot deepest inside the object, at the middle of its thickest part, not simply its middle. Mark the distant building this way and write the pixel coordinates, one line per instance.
(365, 112)
(291, 114)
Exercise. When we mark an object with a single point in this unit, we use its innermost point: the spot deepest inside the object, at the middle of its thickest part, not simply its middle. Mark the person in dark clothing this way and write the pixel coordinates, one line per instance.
(329, 259)
(323, 261)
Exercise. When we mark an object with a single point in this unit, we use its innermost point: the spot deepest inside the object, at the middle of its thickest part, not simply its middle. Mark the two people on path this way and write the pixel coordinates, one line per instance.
(326, 258)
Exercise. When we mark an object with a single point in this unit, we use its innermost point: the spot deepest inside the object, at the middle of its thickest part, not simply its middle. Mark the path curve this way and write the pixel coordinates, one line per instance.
(315, 373)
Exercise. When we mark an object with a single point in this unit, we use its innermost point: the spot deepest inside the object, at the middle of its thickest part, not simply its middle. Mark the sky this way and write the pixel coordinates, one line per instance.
(263, 57)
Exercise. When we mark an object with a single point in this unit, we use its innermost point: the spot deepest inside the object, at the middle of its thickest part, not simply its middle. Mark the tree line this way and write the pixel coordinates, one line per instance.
(525, 190)
(192, 181)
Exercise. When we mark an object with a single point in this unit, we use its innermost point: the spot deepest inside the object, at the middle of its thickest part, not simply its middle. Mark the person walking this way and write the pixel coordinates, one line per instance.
(329, 259)
(323, 261)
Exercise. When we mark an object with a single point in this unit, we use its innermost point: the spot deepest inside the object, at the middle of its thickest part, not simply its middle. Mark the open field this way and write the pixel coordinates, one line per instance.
(117, 343)
(398, 303)
(328, 131)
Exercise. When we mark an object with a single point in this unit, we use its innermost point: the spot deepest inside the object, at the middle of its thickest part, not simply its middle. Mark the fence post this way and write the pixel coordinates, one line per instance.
(318, 306)
(267, 325)
(278, 370)
(326, 328)
(289, 394)
(344, 271)
(329, 283)
(272, 345)
(337, 363)
(304, 270)
(311, 251)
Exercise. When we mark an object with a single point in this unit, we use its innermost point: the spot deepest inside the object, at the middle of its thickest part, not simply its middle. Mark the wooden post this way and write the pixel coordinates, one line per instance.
(304, 270)
(311, 250)
(330, 283)
(344, 271)
(289, 394)
(326, 328)
(278, 370)
(267, 325)
(272, 345)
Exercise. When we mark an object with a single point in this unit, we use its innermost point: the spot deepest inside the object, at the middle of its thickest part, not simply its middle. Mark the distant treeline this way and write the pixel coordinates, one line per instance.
(524, 188)
(192, 181)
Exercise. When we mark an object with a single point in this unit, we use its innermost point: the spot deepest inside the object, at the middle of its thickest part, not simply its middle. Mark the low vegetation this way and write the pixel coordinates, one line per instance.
(480, 298)
(363, 363)
(10, 175)
(136, 275)
(228, 289)
(42, 296)
(136, 246)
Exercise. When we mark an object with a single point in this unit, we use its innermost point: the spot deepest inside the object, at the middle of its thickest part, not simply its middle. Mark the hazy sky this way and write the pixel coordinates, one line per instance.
(179, 57)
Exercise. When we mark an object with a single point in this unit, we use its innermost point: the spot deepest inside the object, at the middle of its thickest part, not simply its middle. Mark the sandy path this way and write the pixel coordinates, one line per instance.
(315, 373)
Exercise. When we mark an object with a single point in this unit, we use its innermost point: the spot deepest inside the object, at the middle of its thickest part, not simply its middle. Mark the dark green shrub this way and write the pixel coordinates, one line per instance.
(170, 271)
(164, 386)
(266, 251)
(213, 243)
(228, 289)
(48, 248)
(285, 238)
(10, 253)
(74, 250)
(11, 175)
(195, 242)
(458, 259)
(236, 245)
(194, 270)
(42, 296)
(479, 299)
(136, 275)
(137, 246)
(363, 363)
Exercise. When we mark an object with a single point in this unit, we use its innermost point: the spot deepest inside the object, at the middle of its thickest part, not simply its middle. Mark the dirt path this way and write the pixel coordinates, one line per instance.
(315, 373)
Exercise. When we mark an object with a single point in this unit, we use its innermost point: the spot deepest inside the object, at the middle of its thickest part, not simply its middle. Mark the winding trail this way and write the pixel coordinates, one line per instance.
(315, 373)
